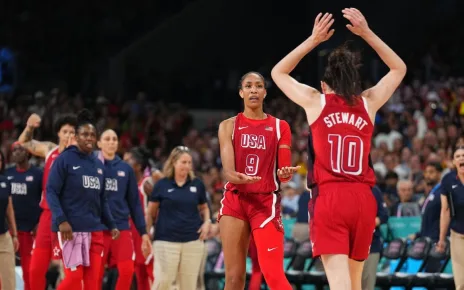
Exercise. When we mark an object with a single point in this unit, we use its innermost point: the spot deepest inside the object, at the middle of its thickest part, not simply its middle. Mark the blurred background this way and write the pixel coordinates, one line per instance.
(164, 73)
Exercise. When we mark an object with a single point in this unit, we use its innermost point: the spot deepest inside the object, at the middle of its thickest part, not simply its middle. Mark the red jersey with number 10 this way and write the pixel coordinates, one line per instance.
(341, 142)
(256, 144)
(49, 159)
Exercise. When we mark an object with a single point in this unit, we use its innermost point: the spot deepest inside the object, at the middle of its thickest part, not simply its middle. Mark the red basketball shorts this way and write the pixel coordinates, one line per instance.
(119, 250)
(344, 220)
(255, 208)
(45, 238)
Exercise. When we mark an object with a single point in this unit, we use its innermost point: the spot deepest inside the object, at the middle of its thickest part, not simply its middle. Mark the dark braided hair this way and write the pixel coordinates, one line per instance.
(341, 73)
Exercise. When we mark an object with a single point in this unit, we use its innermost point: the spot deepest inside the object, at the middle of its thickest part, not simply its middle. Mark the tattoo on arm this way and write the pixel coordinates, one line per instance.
(51, 146)
(28, 135)
(30, 145)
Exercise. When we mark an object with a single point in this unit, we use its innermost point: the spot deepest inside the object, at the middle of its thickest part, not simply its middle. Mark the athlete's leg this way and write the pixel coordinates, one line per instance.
(235, 236)
(256, 274)
(26, 241)
(92, 273)
(73, 279)
(107, 242)
(141, 277)
(270, 245)
(330, 233)
(42, 252)
(337, 270)
(125, 275)
(361, 233)
(150, 269)
(356, 270)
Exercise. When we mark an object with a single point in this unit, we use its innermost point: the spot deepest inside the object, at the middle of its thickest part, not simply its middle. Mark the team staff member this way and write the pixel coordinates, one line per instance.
(431, 210)
(452, 216)
(123, 199)
(369, 274)
(8, 242)
(80, 211)
(45, 244)
(26, 190)
(180, 199)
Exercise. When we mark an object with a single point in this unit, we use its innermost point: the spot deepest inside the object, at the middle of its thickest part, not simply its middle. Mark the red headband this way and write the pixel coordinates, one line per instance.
(16, 143)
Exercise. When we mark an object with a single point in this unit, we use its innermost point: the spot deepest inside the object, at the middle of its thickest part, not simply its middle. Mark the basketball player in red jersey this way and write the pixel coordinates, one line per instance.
(341, 121)
(46, 243)
(144, 262)
(253, 146)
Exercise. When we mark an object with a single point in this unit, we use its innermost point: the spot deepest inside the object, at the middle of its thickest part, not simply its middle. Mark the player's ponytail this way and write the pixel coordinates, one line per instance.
(342, 73)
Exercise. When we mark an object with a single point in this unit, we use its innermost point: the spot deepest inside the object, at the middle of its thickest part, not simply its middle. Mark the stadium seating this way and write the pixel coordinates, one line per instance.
(406, 260)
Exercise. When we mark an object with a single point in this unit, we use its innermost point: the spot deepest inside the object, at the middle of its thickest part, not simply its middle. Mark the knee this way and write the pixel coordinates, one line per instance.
(235, 279)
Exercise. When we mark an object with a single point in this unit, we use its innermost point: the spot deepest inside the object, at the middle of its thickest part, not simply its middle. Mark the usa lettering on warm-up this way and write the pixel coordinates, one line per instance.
(345, 118)
(111, 184)
(18, 188)
(253, 141)
(91, 182)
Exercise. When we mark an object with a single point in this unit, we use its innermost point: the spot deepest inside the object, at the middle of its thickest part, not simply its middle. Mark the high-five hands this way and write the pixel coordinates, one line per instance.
(322, 25)
(321, 29)
(358, 22)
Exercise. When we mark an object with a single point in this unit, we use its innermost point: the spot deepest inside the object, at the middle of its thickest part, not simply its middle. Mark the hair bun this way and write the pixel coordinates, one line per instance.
(84, 116)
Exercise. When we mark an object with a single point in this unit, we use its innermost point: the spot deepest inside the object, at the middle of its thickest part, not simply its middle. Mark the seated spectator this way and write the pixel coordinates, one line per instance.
(290, 197)
(406, 205)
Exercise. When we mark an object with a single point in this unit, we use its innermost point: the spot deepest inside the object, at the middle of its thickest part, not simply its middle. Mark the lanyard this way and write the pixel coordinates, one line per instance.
(430, 197)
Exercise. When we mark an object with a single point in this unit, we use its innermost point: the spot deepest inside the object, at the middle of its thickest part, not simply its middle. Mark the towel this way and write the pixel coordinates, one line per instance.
(77, 251)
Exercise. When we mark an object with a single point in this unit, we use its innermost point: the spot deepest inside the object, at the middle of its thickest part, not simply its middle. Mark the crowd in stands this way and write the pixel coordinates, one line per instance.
(420, 124)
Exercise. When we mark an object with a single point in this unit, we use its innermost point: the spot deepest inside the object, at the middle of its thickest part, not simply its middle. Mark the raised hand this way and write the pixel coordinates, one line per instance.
(321, 29)
(34, 121)
(358, 22)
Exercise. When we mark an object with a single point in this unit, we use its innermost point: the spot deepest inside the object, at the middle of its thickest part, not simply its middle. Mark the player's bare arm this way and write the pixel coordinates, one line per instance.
(379, 94)
(34, 147)
(228, 156)
(285, 171)
(303, 95)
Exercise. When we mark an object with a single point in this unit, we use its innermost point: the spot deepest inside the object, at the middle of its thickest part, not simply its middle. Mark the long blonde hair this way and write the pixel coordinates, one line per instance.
(168, 169)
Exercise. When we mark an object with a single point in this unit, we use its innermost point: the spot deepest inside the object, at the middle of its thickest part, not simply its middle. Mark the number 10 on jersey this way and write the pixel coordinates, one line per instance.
(346, 154)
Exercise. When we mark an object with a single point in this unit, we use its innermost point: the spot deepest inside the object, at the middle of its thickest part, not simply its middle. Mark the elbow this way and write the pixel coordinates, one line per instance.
(275, 72)
(401, 69)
